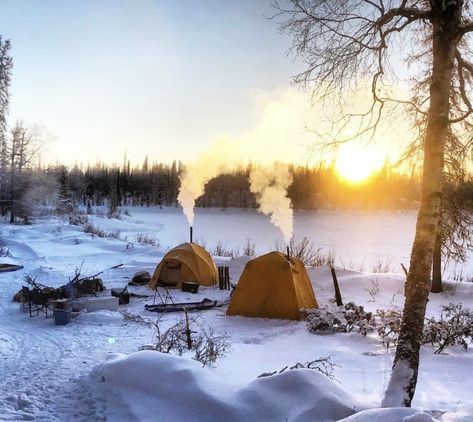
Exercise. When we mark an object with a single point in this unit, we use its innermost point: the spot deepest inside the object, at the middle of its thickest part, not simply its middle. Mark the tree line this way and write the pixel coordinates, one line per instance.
(157, 184)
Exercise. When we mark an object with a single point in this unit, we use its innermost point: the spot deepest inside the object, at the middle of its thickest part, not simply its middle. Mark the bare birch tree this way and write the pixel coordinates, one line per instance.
(21, 149)
(343, 42)
(6, 65)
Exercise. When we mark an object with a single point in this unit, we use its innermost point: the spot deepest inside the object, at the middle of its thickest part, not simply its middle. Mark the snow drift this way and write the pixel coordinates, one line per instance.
(148, 385)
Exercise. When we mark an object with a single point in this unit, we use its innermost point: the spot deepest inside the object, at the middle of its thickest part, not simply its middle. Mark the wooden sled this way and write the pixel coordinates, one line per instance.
(180, 307)
(4, 268)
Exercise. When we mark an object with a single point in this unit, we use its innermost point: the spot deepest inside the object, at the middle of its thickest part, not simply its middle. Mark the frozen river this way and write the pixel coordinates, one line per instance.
(359, 239)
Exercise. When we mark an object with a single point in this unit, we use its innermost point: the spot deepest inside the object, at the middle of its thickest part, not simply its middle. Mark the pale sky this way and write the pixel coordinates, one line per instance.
(150, 77)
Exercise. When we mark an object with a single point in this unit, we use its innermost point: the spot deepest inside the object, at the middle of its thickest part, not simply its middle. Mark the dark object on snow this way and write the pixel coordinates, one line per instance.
(223, 278)
(40, 301)
(122, 294)
(62, 304)
(78, 288)
(4, 268)
(180, 307)
(338, 296)
(62, 316)
(190, 286)
(140, 278)
(24, 296)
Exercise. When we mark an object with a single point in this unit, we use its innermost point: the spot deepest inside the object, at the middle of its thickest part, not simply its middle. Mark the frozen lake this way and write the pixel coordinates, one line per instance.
(360, 239)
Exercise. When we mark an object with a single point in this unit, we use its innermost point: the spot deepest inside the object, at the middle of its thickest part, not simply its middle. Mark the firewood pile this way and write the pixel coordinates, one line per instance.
(76, 287)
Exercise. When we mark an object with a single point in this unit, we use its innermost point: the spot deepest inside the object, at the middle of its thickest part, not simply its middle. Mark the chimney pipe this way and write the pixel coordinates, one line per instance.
(288, 255)
(191, 234)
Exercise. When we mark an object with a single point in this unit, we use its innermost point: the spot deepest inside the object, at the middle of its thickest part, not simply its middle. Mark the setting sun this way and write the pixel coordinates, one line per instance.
(355, 163)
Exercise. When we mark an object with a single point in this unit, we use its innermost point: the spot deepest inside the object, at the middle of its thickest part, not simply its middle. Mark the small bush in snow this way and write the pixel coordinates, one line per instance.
(324, 365)
(344, 319)
(78, 220)
(388, 325)
(4, 249)
(306, 251)
(147, 239)
(209, 347)
(96, 231)
(187, 335)
(382, 266)
(249, 249)
(373, 290)
(454, 328)
(223, 250)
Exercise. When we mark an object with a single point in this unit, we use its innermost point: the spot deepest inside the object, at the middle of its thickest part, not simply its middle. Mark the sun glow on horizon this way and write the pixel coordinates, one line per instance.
(356, 163)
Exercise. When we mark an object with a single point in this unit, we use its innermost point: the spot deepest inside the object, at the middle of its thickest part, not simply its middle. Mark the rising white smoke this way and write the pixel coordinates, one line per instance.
(280, 135)
(270, 184)
(217, 160)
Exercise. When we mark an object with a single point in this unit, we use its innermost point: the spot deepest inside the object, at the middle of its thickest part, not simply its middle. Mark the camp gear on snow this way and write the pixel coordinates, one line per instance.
(273, 286)
(140, 278)
(179, 307)
(9, 267)
(41, 301)
(223, 278)
(122, 294)
(190, 286)
(186, 262)
(62, 316)
(107, 303)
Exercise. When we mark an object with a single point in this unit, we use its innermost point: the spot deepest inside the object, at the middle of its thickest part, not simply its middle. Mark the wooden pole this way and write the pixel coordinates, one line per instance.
(227, 278)
(188, 330)
(338, 296)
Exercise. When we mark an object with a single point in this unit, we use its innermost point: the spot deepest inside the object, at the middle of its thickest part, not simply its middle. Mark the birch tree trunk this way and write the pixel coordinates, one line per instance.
(445, 22)
(437, 286)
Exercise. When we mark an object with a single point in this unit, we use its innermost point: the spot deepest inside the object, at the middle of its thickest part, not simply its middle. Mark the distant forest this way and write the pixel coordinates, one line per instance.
(157, 184)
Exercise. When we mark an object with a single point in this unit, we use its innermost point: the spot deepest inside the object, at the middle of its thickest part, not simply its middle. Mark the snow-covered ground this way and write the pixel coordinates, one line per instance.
(45, 369)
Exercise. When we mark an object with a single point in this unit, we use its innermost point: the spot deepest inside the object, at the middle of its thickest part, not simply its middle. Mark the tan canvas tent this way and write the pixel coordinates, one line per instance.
(186, 262)
(273, 286)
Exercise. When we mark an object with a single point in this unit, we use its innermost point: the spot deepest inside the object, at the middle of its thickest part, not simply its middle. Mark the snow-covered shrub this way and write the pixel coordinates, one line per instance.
(4, 249)
(187, 335)
(96, 231)
(249, 249)
(344, 319)
(78, 220)
(147, 239)
(454, 328)
(324, 365)
(209, 347)
(388, 325)
(306, 251)
(373, 290)
(223, 250)
(382, 266)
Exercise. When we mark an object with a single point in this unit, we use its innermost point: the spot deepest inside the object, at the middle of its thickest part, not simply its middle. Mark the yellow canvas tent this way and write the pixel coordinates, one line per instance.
(186, 262)
(273, 286)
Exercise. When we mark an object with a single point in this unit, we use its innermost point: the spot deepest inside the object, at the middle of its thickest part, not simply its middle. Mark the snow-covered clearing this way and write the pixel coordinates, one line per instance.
(45, 368)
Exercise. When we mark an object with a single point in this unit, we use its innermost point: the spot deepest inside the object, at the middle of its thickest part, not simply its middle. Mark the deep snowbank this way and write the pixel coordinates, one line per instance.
(149, 385)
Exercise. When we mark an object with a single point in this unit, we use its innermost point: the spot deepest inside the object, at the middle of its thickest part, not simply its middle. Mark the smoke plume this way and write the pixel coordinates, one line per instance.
(207, 166)
(278, 136)
(270, 184)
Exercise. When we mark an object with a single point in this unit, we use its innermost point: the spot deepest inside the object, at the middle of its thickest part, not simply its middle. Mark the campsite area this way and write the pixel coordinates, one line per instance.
(80, 371)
